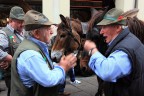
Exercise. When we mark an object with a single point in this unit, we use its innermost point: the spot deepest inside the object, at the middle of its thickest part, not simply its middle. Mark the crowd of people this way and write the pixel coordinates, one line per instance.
(38, 30)
(28, 70)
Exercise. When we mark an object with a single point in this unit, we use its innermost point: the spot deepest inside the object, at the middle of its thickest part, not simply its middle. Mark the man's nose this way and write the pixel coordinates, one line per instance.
(101, 31)
(51, 31)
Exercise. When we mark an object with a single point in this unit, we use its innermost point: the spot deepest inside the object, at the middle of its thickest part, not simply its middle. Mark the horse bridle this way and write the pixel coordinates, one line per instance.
(72, 36)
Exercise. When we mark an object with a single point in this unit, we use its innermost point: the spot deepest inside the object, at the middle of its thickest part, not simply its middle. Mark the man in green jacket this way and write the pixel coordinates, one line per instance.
(32, 70)
(10, 37)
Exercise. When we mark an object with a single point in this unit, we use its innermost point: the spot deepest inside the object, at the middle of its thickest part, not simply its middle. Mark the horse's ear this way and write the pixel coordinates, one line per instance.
(63, 19)
(100, 17)
(93, 11)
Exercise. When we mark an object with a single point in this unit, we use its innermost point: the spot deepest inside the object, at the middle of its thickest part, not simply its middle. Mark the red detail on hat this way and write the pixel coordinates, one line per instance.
(120, 18)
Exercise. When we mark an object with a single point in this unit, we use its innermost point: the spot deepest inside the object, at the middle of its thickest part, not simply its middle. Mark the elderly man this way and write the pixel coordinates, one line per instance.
(33, 73)
(122, 67)
(10, 37)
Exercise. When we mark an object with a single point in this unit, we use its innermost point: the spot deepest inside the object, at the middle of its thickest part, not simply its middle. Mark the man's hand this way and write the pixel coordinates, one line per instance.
(90, 47)
(68, 62)
(4, 64)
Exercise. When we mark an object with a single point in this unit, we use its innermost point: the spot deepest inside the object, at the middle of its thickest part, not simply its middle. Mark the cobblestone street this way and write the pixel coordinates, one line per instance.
(88, 87)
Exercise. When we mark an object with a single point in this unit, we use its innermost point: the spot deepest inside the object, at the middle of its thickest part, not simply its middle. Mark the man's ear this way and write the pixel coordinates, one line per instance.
(36, 34)
(119, 28)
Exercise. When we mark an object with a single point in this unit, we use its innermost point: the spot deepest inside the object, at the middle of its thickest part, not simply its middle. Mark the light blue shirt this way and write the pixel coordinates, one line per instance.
(2, 54)
(33, 68)
(115, 66)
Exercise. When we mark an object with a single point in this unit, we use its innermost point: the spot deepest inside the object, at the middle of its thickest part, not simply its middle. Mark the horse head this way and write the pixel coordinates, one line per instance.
(93, 33)
(67, 39)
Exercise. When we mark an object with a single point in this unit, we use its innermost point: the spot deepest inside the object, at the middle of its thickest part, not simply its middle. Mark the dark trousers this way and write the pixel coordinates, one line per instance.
(8, 83)
(7, 78)
(72, 78)
(61, 87)
(72, 74)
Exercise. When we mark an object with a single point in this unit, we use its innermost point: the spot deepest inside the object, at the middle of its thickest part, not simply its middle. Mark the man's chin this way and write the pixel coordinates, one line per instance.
(106, 41)
(48, 41)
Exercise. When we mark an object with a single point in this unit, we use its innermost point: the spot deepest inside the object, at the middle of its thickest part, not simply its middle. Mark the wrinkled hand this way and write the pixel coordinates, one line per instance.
(90, 47)
(68, 61)
(5, 63)
(89, 44)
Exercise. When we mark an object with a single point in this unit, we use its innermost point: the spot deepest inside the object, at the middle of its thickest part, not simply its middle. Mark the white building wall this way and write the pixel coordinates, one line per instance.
(130, 4)
(141, 7)
(125, 4)
(53, 8)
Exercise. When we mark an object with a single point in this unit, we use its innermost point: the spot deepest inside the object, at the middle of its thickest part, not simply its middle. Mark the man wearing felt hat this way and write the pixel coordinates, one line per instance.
(33, 72)
(10, 37)
(122, 67)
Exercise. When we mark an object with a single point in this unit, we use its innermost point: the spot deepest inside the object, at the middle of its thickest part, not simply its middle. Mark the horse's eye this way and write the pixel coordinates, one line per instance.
(62, 36)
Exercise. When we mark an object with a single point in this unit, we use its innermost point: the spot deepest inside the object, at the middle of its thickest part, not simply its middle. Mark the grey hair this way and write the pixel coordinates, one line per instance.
(27, 34)
(31, 32)
(124, 27)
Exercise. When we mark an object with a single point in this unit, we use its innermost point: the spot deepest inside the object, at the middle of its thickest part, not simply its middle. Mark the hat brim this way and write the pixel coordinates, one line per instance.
(18, 18)
(30, 27)
(130, 13)
(48, 23)
(105, 22)
(109, 22)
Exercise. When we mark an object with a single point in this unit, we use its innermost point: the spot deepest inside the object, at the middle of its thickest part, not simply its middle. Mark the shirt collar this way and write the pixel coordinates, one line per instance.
(11, 28)
(110, 43)
(40, 43)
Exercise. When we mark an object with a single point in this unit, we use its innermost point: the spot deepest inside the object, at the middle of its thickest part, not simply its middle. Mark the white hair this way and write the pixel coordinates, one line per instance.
(30, 33)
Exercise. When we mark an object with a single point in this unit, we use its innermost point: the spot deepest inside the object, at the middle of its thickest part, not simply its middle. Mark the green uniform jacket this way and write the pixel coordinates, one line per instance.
(17, 87)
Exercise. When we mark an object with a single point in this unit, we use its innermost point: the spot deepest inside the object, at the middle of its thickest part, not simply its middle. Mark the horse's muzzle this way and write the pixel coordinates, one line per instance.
(56, 55)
